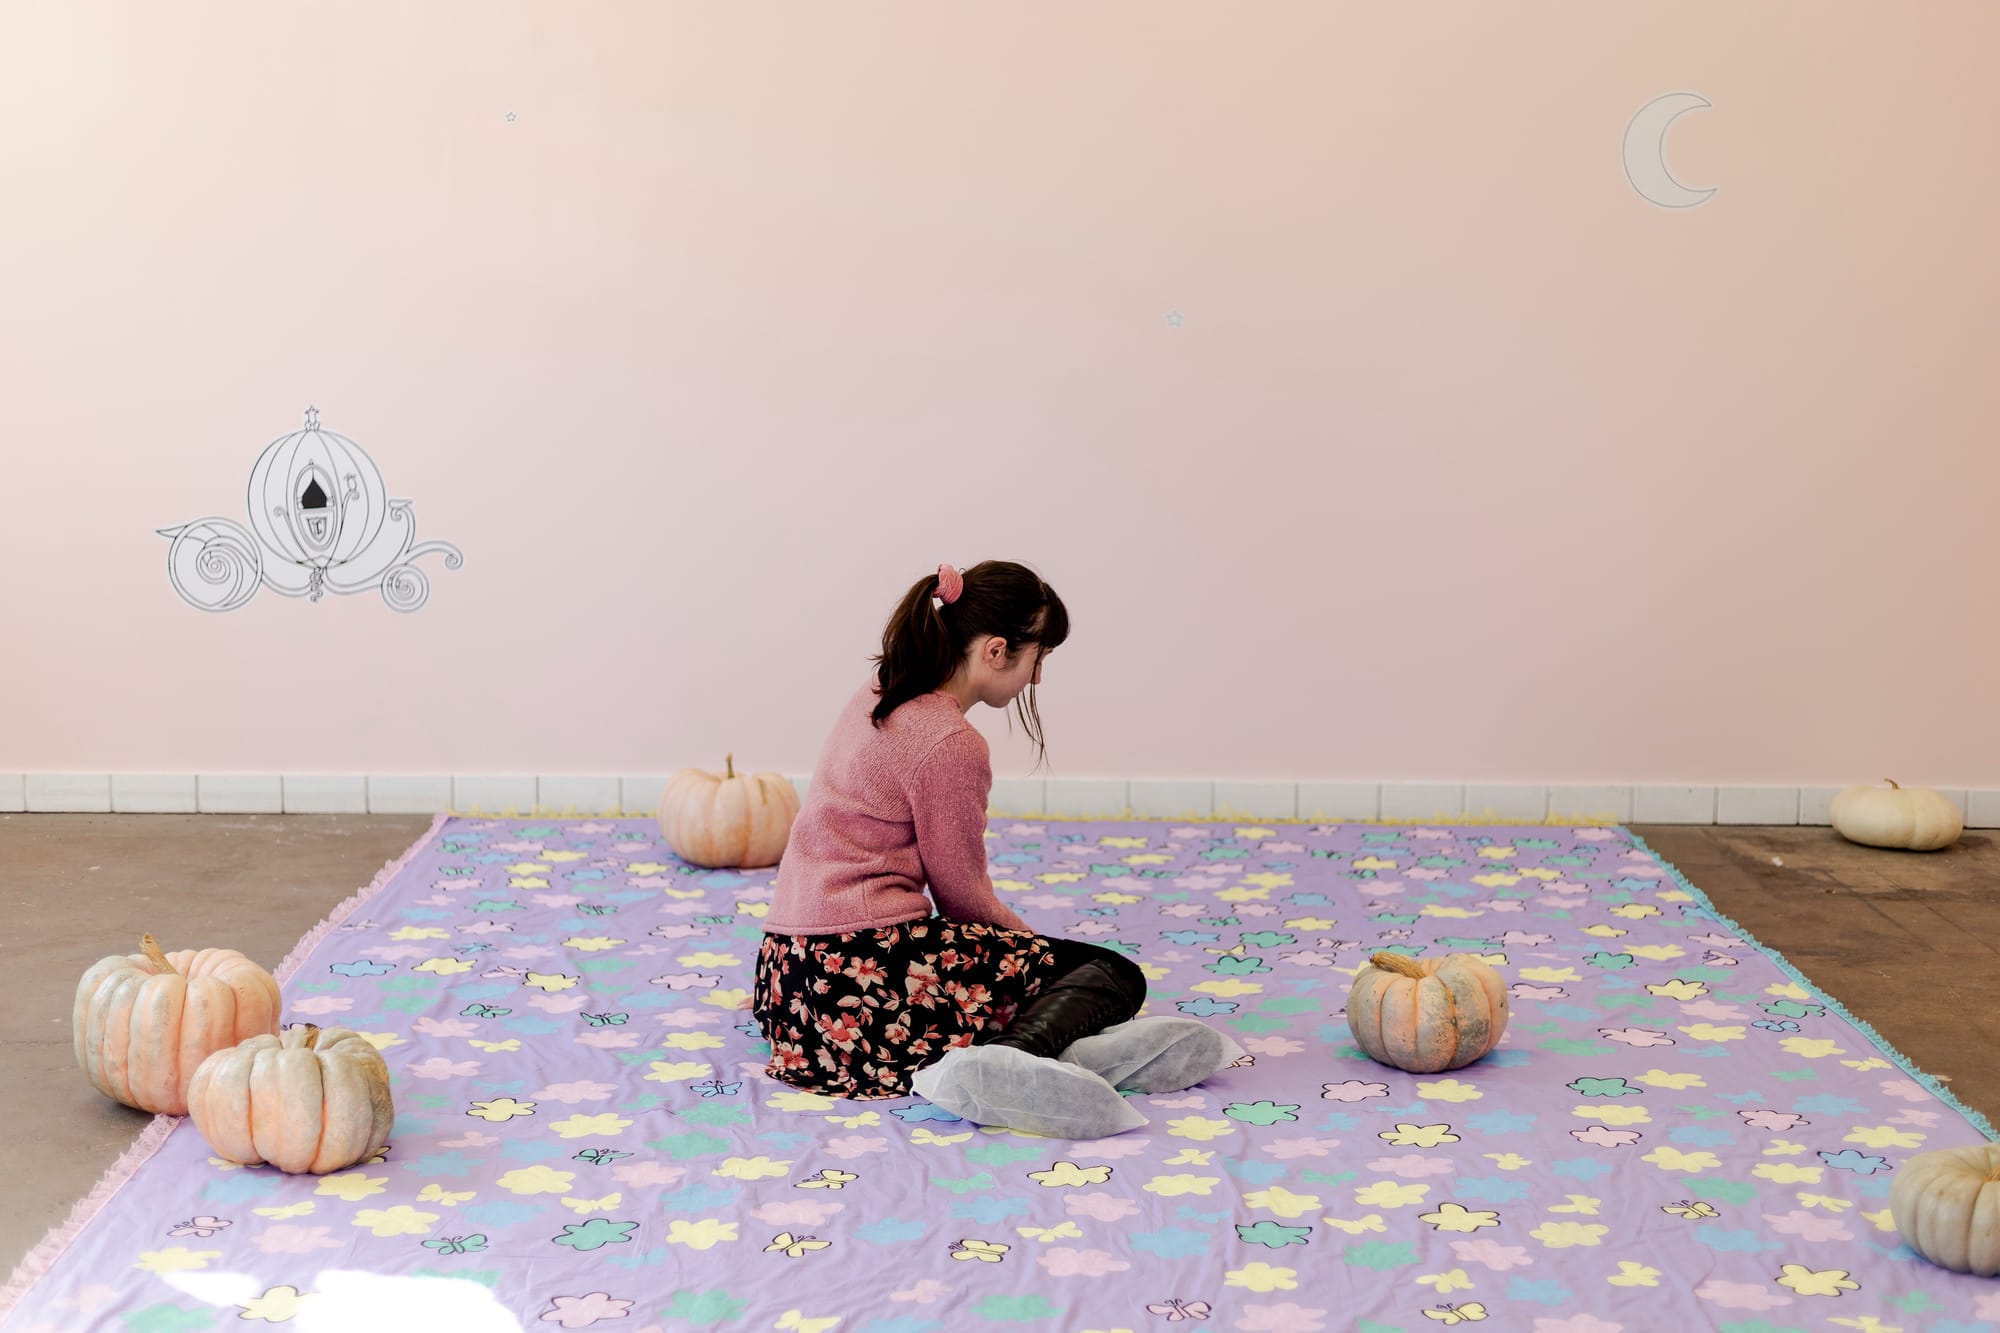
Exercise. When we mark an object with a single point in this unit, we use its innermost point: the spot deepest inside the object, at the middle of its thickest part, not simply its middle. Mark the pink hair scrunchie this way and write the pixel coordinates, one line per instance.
(950, 585)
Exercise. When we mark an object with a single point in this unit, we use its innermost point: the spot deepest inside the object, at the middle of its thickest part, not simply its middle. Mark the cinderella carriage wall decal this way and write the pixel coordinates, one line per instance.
(322, 523)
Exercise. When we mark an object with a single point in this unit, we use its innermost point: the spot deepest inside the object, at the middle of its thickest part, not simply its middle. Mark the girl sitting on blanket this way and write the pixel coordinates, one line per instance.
(861, 990)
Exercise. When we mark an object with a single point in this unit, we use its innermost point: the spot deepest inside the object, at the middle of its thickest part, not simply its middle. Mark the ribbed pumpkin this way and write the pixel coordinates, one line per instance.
(1947, 1205)
(731, 820)
(1424, 1015)
(309, 1100)
(143, 1022)
(1914, 819)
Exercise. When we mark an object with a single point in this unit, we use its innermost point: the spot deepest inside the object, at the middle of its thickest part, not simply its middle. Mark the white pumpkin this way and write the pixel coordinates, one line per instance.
(1947, 1205)
(1913, 818)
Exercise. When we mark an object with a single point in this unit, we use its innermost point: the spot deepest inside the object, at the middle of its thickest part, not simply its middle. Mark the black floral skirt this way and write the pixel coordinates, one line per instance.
(855, 1015)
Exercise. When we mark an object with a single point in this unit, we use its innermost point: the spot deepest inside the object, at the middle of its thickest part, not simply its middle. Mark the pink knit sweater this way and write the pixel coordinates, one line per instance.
(888, 812)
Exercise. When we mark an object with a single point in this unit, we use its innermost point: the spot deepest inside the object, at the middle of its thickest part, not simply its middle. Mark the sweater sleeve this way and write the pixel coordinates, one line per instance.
(948, 800)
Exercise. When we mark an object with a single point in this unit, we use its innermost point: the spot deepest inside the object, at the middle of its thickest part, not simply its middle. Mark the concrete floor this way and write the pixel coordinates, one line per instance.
(1909, 942)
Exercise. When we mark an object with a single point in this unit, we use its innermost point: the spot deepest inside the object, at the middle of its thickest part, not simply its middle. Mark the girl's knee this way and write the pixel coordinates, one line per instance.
(1127, 972)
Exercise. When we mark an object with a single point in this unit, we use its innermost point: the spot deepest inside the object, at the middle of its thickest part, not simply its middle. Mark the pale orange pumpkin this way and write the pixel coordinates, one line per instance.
(731, 820)
(144, 1021)
(309, 1100)
(1424, 1015)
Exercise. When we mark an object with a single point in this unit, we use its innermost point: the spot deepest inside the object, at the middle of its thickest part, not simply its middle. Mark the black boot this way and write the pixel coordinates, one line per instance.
(1083, 1001)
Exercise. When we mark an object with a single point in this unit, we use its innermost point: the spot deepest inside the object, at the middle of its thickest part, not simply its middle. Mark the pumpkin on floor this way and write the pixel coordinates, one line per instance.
(1947, 1205)
(1913, 819)
(1424, 1015)
(738, 821)
(143, 1022)
(309, 1100)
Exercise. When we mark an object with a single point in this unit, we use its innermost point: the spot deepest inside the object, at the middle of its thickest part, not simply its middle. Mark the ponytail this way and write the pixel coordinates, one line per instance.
(926, 638)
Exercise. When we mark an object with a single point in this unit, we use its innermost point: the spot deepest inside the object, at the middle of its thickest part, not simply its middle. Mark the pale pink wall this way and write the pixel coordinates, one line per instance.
(1466, 463)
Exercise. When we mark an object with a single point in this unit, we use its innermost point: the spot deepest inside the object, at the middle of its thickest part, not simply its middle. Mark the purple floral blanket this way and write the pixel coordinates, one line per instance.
(1678, 1132)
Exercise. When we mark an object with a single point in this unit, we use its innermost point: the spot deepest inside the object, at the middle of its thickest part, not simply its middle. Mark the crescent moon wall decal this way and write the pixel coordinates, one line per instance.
(1645, 152)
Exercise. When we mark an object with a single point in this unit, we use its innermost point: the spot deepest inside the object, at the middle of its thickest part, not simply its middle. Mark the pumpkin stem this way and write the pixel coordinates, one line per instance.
(1398, 963)
(312, 1035)
(151, 948)
(1892, 783)
(729, 765)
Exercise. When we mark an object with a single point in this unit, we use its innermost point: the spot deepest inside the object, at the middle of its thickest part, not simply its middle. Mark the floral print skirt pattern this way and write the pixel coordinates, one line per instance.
(855, 1015)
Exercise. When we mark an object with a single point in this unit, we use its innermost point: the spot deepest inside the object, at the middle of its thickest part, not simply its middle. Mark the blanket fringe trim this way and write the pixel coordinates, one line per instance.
(154, 1136)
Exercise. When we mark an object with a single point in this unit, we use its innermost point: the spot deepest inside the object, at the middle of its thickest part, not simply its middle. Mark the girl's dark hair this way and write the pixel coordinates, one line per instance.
(923, 645)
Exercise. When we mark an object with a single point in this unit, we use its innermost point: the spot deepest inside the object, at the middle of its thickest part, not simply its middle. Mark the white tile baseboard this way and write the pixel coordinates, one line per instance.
(1982, 809)
(1331, 802)
(579, 796)
(1756, 805)
(640, 795)
(240, 794)
(1257, 800)
(1675, 805)
(1161, 798)
(153, 793)
(1087, 798)
(1814, 805)
(326, 794)
(1530, 805)
(493, 795)
(1072, 798)
(408, 795)
(1590, 805)
(69, 793)
(1414, 802)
